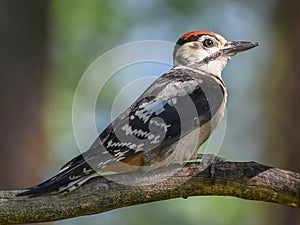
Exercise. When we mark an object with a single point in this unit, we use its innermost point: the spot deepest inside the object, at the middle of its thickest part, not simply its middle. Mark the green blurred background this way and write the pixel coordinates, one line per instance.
(47, 45)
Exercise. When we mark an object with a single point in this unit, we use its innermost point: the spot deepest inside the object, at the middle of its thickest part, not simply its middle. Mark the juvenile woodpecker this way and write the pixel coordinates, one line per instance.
(167, 123)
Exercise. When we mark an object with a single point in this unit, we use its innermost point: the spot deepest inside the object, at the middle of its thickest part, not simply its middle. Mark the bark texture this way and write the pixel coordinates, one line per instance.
(247, 180)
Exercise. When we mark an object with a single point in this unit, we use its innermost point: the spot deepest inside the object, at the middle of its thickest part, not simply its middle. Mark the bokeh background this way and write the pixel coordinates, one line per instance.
(47, 45)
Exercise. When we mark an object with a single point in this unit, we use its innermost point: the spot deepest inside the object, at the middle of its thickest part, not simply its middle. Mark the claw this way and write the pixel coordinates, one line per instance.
(210, 160)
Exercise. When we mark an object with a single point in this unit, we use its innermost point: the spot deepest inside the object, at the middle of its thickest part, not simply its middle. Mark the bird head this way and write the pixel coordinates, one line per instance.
(207, 51)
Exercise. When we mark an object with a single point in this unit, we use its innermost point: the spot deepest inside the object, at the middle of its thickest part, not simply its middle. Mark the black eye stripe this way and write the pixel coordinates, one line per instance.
(182, 41)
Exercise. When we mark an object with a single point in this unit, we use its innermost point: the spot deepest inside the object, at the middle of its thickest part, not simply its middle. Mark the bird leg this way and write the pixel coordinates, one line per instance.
(210, 160)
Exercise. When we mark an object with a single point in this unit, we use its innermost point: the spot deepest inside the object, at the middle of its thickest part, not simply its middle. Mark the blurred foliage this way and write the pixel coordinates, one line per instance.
(80, 32)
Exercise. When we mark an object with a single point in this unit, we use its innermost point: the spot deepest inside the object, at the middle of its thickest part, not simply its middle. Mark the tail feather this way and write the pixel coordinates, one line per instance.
(66, 180)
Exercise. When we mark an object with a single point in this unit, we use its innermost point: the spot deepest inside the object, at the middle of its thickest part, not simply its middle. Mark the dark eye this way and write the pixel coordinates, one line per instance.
(208, 43)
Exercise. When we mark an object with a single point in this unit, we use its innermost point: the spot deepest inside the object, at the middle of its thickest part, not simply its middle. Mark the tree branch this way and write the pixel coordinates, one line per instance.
(247, 180)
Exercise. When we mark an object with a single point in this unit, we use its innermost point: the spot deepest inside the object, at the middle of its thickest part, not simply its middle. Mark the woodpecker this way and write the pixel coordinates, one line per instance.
(167, 123)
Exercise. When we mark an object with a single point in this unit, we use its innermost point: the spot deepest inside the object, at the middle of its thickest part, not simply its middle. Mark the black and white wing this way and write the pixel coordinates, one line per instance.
(173, 106)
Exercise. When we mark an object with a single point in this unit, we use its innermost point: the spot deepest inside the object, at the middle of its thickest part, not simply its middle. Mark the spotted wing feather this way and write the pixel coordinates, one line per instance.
(169, 109)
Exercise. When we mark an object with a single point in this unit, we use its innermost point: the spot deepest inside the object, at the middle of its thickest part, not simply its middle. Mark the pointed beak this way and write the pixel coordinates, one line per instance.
(234, 47)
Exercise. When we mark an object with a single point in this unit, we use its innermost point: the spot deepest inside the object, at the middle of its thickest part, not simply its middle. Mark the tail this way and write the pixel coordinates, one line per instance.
(72, 175)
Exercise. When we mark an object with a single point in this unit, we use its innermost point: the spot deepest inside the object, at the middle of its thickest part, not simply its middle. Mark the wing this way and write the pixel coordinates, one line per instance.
(173, 106)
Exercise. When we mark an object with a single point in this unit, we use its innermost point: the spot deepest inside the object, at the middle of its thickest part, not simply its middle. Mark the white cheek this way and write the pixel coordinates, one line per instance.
(201, 54)
(198, 55)
(192, 54)
(191, 57)
(212, 50)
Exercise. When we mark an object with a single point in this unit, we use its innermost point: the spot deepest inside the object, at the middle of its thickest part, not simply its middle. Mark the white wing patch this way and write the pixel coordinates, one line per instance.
(128, 131)
(139, 133)
(161, 125)
(155, 107)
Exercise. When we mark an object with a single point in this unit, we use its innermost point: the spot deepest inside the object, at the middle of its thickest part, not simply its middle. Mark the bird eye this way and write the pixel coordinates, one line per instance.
(208, 43)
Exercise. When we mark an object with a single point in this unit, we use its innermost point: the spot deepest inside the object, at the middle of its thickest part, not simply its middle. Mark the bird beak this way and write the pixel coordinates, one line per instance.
(234, 47)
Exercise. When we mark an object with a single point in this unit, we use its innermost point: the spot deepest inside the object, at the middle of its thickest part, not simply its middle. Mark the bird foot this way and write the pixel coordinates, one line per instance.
(210, 160)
